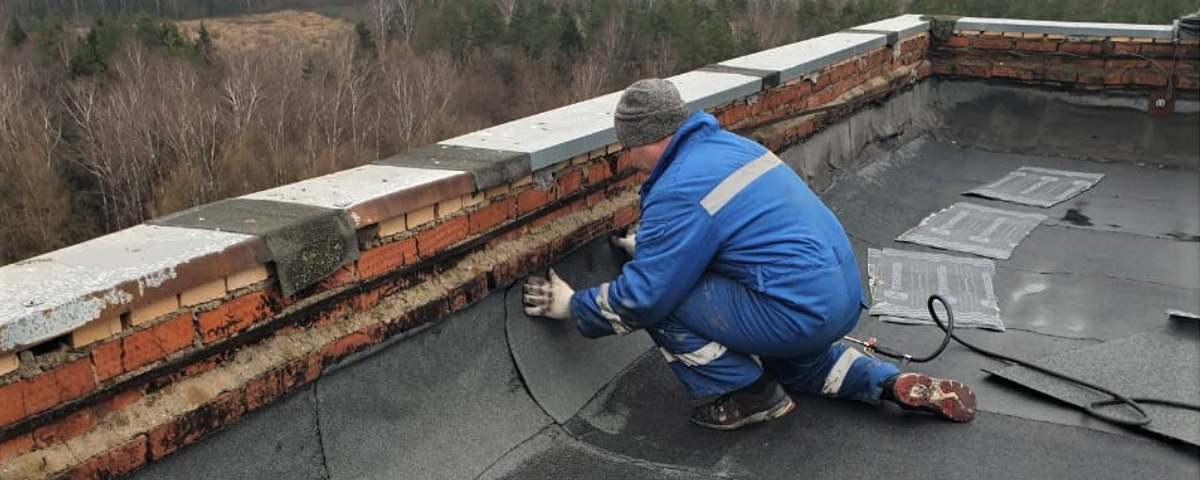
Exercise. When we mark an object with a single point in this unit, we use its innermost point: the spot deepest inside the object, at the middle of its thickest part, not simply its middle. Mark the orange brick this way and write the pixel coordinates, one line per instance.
(992, 43)
(107, 359)
(341, 348)
(1036, 46)
(233, 316)
(473, 199)
(442, 235)
(8, 363)
(246, 278)
(156, 309)
(1061, 74)
(62, 384)
(523, 181)
(1157, 50)
(157, 342)
(64, 429)
(15, 446)
(115, 463)
(598, 172)
(625, 216)
(490, 216)
(95, 331)
(386, 258)
(1007, 71)
(281, 381)
(12, 402)
(533, 199)
(116, 403)
(1151, 78)
(1080, 48)
(570, 182)
(205, 293)
(1013, 35)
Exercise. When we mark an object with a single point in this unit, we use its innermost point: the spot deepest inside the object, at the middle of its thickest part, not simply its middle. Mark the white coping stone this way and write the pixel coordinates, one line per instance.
(347, 188)
(52, 294)
(559, 134)
(905, 25)
(805, 57)
(1082, 29)
(703, 90)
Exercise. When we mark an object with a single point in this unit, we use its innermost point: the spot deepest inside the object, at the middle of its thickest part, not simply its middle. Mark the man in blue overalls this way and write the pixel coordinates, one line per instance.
(740, 275)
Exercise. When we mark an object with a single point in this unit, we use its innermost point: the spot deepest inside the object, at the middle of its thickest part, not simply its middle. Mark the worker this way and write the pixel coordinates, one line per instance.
(745, 281)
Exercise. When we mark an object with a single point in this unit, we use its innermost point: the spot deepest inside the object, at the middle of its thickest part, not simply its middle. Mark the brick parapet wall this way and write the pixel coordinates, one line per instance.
(1078, 63)
(106, 400)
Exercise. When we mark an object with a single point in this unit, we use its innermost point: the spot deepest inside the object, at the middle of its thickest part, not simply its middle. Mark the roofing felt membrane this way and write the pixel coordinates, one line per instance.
(450, 400)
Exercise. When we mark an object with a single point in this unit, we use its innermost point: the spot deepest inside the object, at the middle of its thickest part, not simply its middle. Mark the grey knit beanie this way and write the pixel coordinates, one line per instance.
(649, 111)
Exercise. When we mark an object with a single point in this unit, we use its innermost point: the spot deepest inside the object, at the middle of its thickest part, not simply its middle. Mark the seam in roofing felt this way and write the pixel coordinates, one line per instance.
(514, 448)
(516, 366)
(320, 433)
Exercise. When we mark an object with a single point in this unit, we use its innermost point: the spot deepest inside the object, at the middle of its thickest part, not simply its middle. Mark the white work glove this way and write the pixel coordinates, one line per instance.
(628, 241)
(549, 298)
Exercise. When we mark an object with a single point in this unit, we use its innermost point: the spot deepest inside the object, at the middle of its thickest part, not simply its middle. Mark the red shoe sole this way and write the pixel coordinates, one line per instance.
(949, 399)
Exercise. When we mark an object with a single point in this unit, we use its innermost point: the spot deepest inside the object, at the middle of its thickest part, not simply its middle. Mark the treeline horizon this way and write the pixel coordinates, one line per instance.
(112, 122)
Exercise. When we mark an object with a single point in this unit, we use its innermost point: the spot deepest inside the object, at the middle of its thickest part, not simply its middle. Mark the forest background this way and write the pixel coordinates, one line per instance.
(113, 112)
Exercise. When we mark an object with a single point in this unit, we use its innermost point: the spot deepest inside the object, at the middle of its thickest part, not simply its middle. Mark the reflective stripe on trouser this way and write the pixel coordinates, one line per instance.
(840, 371)
(705, 367)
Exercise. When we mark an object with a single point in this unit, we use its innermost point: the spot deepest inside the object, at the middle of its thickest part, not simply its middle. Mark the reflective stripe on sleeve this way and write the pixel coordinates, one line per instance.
(737, 181)
(607, 312)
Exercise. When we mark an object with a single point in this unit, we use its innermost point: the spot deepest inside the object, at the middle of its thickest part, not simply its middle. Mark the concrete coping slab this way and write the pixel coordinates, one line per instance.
(371, 193)
(801, 58)
(488, 168)
(903, 25)
(563, 133)
(552, 136)
(1078, 29)
(53, 294)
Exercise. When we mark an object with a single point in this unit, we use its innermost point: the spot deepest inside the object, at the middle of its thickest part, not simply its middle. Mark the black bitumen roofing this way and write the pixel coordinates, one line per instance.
(465, 399)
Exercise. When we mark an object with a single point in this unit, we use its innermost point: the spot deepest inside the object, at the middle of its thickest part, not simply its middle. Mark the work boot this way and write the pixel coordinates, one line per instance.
(949, 399)
(736, 409)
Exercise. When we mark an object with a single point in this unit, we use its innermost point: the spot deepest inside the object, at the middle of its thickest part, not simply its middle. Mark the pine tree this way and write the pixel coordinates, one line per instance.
(366, 43)
(204, 45)
(16, 34)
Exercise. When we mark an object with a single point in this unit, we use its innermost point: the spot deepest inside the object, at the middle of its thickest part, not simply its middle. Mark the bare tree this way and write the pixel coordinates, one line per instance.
(419, 90)
(506, 8)
(408, 13)
(383, 13)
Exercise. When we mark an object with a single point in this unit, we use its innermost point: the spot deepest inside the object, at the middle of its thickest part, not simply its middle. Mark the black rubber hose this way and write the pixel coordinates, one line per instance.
(1093, 409)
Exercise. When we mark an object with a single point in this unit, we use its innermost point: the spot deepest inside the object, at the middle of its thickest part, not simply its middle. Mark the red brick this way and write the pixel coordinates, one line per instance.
(1152, 78)
(15, 446)
(341, 348)
(1091, 77)
(532, 199)
(1080, 48)
(116, 402)
(387, 258)
(1187, 82)
(549, 217)
(270, 386)
(1126, 63)
(624, 162)
(189, 427)
(492, 215)
(1037, 45)
(1008, 71)
(1116, 78)
(57, 386)
(113, 464)
(441, 236)
(1061, 74)
(157, 342)
(12, 402)
(991, 43)
(598, 172)
(338, 279)
(981, 70)
(233, 316)
(1189, 52)
(625, 216)
(570, 182)
(107, 359)
(1157, 51)
(64, 429)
